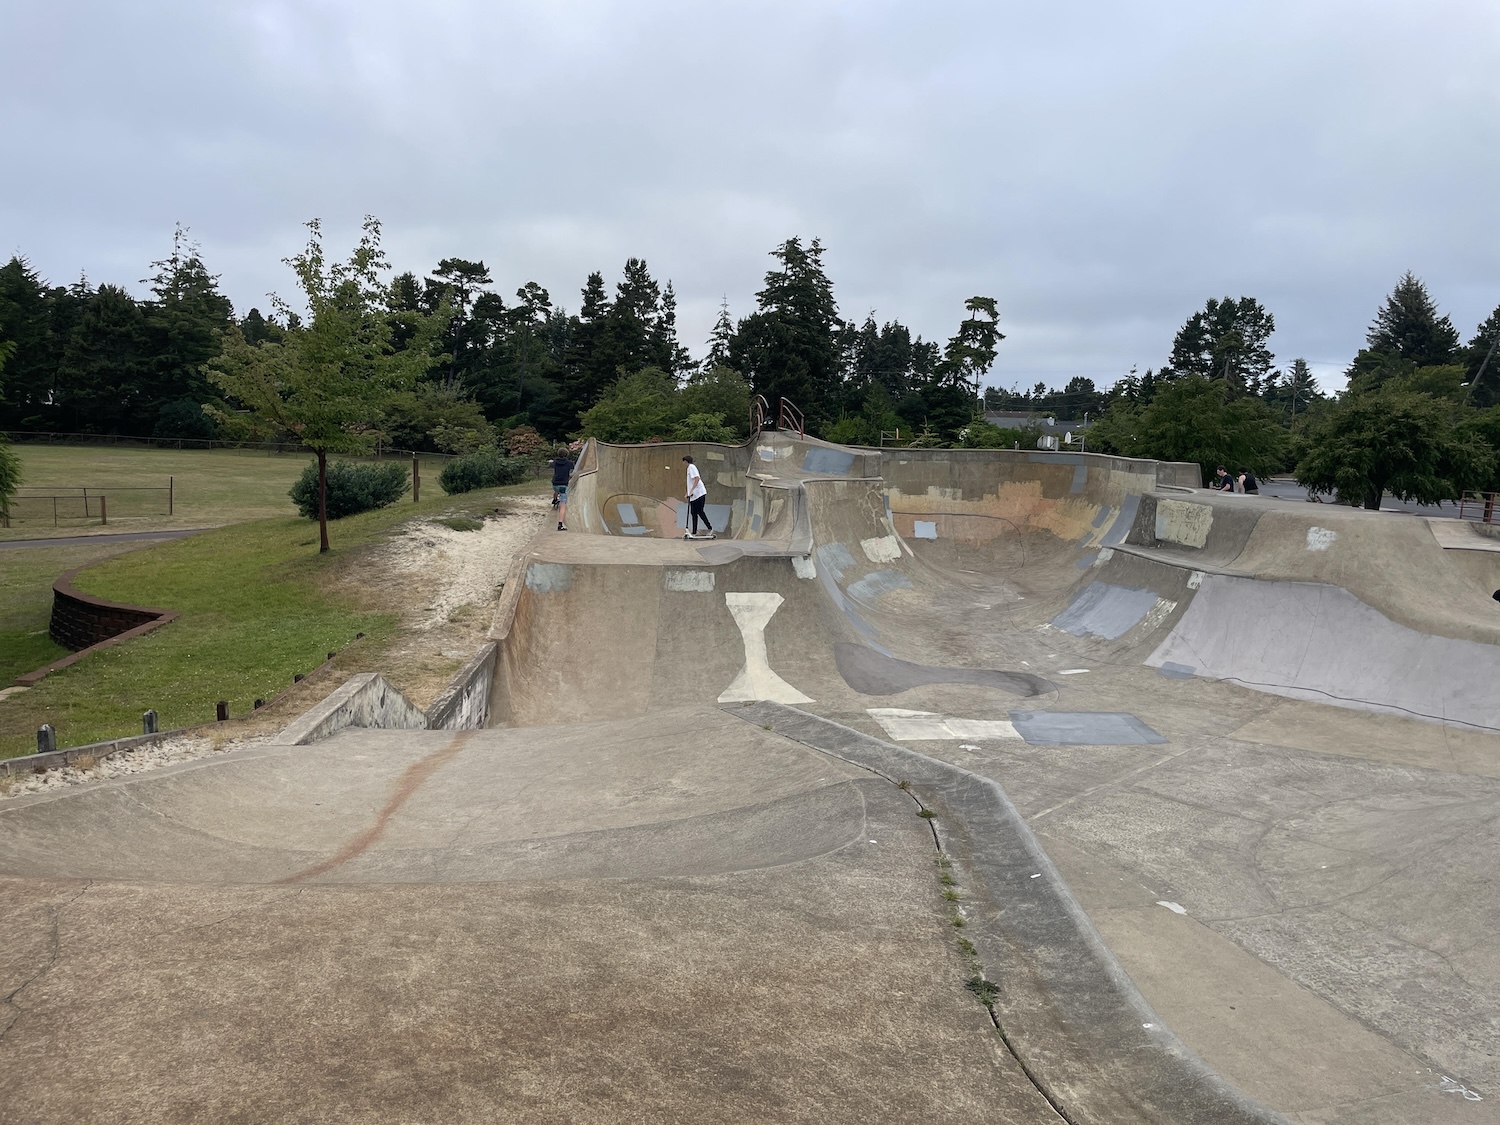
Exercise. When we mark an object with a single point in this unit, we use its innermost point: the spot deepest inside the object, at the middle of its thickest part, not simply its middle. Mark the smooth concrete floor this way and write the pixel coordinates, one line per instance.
(679, 918)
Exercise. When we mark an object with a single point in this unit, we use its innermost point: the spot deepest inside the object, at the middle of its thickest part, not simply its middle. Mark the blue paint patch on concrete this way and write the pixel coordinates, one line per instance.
(1174, 671)
(834, 559)
(549, 578)
(627, 513)
(755, 523)
(1080, 477)
(1102, 516)
(878, 582)
(1121, 526)
(833, 462)
(634, 529)
(924, 529)
(1083, 728)
(1088, 560)
(1102, 610)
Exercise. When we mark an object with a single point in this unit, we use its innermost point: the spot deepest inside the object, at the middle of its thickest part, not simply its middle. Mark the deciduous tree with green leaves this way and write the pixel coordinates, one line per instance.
(1194, 419)
(1393, 440)
(329, 379)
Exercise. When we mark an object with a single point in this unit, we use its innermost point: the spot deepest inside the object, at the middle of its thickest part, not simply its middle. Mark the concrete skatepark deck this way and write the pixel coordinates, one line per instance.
(1217, 778)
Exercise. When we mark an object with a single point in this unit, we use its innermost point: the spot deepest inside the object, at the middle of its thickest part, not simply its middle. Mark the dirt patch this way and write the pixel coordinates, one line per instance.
(444, 582)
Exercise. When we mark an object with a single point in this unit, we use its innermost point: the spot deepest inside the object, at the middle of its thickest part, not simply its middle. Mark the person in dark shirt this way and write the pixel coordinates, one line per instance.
(1222, 481)
(1248, 484)
(562, 472)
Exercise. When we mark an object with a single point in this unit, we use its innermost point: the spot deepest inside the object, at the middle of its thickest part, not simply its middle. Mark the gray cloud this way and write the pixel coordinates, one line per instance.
(1101, 169)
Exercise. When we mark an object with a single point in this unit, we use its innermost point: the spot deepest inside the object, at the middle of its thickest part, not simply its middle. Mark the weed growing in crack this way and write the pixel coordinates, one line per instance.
(987, 990)
(950, 894)
(927, 814)
(904, 786)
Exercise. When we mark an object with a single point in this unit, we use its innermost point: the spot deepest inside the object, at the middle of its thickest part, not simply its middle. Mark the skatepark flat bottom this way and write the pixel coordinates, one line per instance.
(689, 920)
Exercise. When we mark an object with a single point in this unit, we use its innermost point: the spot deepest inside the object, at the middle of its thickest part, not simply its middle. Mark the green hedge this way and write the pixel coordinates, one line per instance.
(486, 469)
(352, 488)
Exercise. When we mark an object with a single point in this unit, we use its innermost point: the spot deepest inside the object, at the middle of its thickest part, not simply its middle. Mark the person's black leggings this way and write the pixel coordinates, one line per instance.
(695, 508)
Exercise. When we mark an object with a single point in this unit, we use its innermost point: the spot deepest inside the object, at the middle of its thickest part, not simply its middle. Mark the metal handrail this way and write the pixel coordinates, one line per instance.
(759, 410)
(790, 414)
(1478, 506)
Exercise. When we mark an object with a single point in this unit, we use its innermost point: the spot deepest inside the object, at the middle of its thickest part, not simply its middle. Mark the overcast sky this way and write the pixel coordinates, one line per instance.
(1100, 168)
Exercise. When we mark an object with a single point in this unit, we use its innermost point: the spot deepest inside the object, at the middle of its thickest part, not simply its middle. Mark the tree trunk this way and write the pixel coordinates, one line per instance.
(323, 501)
(1373, 497)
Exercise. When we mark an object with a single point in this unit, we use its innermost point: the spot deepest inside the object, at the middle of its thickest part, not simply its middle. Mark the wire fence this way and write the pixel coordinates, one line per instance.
(381, 451)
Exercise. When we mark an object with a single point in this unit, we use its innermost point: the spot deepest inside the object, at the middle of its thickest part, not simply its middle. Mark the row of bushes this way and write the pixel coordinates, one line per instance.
(355, 487)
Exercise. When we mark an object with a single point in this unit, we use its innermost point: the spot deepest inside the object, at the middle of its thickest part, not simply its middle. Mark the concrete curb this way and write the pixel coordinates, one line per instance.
(1068, 1011)
(56, 759)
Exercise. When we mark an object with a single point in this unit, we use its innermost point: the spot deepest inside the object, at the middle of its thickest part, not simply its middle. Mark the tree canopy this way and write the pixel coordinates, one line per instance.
(330, 378)
(1394, 440)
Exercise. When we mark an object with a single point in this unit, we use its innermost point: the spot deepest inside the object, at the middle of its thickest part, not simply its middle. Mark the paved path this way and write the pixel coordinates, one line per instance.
(107, 537)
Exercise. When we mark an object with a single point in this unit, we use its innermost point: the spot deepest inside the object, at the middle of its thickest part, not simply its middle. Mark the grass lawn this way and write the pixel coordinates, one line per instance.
(211, 487)
(258, 604)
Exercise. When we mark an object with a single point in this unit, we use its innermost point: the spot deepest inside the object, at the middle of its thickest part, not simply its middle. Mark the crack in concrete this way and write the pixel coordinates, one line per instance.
(55, 951)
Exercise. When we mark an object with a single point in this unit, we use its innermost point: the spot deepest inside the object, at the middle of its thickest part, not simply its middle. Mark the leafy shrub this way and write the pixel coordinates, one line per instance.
(703, 427)
(352, 488)
(486, 469)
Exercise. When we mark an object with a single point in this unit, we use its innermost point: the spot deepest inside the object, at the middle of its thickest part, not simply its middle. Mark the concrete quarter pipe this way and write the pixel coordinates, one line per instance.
(1208, 791)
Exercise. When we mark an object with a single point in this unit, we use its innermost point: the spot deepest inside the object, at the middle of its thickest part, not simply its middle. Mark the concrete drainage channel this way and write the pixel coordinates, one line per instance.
(1067, 1011)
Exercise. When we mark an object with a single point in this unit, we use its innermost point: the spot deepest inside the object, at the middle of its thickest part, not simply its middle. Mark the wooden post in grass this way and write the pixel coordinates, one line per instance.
(103, 511)
(46, 739)
(169, 495)
(148, 722)
(223, 711)
(416, 479)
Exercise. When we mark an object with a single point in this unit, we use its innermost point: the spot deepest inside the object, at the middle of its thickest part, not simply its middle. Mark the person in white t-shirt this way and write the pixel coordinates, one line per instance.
(697, 493)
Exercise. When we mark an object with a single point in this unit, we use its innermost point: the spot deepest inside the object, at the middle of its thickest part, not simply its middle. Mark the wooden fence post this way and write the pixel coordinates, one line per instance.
(416, 479)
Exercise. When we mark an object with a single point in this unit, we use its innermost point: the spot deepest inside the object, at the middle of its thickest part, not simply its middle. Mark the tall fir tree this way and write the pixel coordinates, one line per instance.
(790, 346)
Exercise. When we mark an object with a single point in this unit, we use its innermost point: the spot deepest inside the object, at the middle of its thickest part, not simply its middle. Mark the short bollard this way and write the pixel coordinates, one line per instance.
(46, 739)
(259, 703)
(223, 710)
(148, 722)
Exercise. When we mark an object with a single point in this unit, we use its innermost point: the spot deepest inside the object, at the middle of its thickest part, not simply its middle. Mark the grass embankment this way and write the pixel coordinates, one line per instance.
(211, 488)
(258, 605)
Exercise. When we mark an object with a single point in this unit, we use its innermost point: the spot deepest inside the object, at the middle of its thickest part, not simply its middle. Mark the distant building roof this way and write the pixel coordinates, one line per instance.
(1016, 419)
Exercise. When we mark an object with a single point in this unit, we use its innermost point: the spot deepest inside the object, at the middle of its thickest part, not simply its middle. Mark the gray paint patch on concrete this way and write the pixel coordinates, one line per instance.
(1311, 641)
(1121, 527)
(830, 461)
(627, 512)
(1102, 610)
(634, 529)
(1080, 477)
(878, 582)
(1103, 515)
(873, 673)
(1088, 560)
(549, 578)
(834, 559)
(1083, 728)
(689, 581)
(1177, 671)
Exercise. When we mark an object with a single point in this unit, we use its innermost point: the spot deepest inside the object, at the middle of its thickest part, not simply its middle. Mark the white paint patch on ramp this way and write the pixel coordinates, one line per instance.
(918, 726)
(752, 612)
(1318, 642)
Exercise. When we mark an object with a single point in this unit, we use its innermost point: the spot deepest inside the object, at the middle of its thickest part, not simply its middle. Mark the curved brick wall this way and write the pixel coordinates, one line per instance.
(84, 623)
(80, 620)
